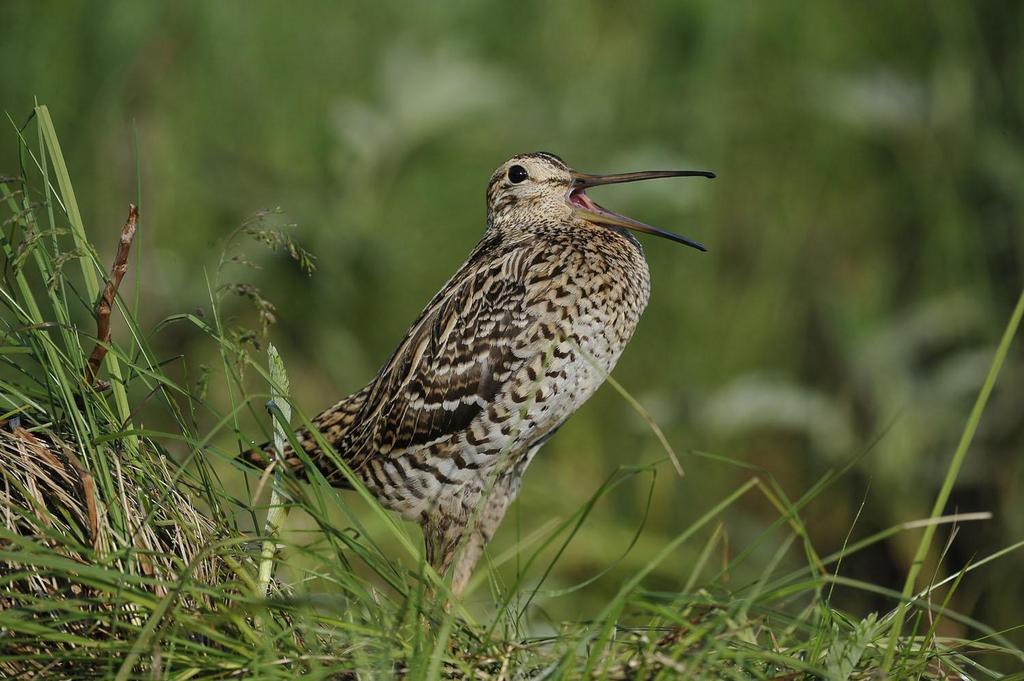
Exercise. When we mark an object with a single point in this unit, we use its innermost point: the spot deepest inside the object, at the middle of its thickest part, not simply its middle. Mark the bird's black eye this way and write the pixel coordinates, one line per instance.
(517, 174)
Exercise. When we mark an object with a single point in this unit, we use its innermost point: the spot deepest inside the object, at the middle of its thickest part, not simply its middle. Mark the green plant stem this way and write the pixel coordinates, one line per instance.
(278, 512)
(275, 518)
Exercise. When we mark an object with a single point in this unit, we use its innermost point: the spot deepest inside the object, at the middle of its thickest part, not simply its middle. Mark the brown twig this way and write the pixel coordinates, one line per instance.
(106, 301)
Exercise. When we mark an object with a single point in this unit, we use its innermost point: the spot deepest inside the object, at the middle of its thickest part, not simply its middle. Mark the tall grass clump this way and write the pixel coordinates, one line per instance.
(132, 552)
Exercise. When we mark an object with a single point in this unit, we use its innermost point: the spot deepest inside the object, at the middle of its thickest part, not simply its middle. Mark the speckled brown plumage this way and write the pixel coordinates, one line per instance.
(521, 336)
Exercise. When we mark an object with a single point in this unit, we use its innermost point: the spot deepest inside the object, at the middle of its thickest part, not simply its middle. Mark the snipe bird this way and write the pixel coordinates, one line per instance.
(514, 343)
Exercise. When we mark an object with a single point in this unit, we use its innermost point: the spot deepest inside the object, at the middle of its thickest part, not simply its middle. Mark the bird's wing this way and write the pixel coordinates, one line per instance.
(468, 342)
(473, 336)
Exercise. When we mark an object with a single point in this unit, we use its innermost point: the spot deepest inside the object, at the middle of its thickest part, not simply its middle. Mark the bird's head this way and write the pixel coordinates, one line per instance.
(539, 188)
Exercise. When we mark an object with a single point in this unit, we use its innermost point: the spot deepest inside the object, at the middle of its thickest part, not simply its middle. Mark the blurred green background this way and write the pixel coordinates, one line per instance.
(865, 233)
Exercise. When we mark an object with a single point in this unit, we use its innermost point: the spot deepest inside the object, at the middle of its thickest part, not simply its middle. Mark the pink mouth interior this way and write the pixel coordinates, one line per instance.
(579, 198)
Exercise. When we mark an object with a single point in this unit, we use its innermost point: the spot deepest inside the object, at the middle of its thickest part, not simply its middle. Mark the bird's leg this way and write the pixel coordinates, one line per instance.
(478, 538)
(460, 541)
(486, 522)
(441, 536)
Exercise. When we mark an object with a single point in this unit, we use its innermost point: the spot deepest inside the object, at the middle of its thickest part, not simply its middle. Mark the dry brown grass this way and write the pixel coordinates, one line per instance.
(58, 528)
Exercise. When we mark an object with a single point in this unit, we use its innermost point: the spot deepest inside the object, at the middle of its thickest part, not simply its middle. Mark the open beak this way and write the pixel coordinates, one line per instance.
(583, 206)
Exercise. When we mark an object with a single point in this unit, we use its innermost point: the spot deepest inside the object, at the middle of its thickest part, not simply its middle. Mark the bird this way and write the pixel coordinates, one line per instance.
(522, 334)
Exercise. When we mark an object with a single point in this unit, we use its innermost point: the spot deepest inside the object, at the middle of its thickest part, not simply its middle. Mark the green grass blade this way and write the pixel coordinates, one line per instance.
(951, 475)
(89, 262)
